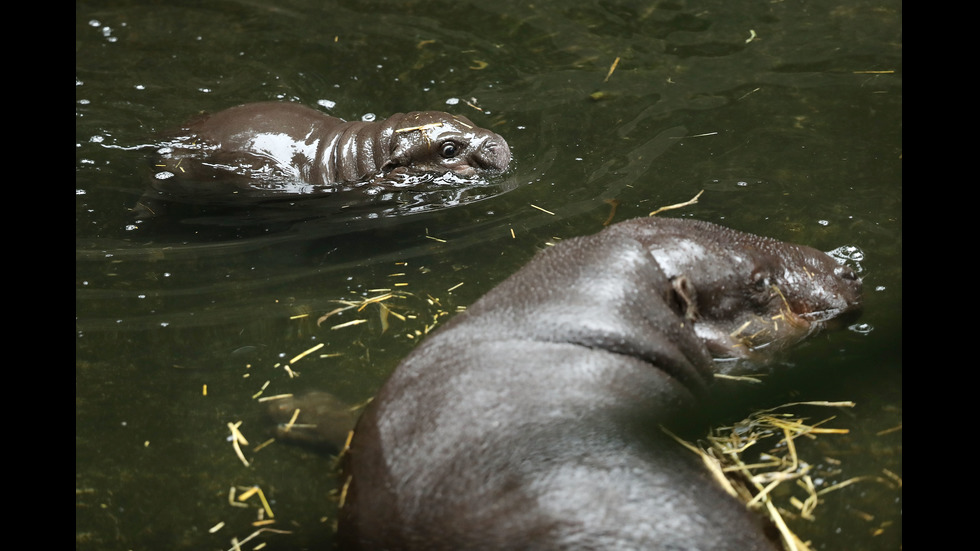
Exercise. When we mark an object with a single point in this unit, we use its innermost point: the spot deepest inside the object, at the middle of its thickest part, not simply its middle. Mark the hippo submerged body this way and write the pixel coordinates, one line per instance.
(530, 421)
(261, 153)
(288, 141)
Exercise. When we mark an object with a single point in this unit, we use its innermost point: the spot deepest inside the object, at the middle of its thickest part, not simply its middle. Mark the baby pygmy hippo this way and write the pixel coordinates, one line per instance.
(282, 144)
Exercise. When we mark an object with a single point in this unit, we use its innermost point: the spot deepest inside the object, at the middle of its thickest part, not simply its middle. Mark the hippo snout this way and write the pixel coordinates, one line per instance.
(850, 287)
(835, 298)
(493, 155)
(846, 272)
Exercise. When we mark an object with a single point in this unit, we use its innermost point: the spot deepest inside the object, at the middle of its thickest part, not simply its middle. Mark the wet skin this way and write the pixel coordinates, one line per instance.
(280, 144)
(530, 420)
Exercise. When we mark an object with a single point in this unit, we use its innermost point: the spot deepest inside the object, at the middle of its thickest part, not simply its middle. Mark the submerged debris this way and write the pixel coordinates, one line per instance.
(687, 203)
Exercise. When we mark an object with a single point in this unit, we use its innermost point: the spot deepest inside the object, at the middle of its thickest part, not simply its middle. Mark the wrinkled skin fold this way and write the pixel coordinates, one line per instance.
(282, 144)
(531, 420)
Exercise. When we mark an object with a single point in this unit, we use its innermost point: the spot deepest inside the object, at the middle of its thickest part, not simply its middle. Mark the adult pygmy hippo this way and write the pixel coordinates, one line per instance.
(278, 144)
(530, 421)
(747, 294)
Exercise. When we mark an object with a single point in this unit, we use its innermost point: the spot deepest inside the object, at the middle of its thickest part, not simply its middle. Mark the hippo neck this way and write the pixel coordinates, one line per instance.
(354, 151)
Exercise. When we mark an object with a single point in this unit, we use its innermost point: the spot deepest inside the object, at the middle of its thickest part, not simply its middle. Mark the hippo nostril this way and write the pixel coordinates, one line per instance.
(845, 272)
(493, 155)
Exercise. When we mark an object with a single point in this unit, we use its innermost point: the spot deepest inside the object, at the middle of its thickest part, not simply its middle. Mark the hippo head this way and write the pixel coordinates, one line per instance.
(785, 293)
(747, 294)
(433, 141)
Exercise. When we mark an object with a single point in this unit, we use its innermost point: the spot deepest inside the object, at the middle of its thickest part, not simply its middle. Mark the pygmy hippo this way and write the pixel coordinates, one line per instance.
(531, 420)
(275, 144)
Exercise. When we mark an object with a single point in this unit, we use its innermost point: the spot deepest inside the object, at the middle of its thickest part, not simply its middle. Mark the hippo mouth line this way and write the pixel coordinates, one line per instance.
(782, 329)
(791, 324)
(822, 315)
(468, 171)
(802, 314)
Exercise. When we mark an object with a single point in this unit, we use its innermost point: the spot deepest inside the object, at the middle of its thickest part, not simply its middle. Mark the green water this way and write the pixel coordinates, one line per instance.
(788, 115)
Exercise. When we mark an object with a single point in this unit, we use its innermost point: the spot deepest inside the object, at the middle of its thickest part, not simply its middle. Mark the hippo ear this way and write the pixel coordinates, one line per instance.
(684, 296)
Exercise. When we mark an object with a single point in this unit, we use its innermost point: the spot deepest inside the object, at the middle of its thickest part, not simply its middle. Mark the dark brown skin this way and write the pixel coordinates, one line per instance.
(287, 144)
(746, 284)
(531, 420)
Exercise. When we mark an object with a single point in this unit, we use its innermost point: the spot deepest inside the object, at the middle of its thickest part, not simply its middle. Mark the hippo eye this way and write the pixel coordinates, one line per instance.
(448, 150)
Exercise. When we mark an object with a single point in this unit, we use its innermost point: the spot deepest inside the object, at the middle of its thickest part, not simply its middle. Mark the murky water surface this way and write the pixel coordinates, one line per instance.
(787, 114)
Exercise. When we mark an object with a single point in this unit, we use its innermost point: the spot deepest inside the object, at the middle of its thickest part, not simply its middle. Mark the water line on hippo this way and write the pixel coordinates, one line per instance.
(539, 379)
